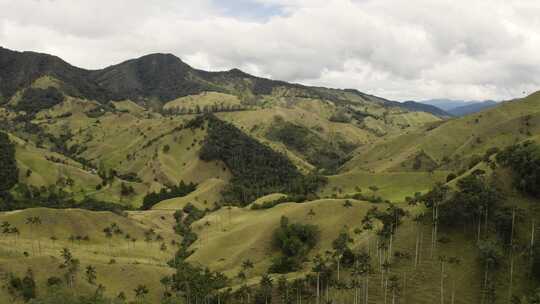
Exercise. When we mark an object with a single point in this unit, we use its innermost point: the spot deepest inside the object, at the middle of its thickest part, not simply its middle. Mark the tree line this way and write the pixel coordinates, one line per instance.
(257, 169)
(182, 189)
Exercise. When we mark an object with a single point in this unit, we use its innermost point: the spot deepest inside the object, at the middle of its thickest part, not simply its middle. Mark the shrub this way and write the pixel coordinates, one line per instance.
(294, 241)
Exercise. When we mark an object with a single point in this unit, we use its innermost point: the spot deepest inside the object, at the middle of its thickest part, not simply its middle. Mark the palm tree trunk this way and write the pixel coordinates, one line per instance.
(367, 289)
(338, 262)
(318, 287)
(442, 282)
(385, 290)
(453, 290)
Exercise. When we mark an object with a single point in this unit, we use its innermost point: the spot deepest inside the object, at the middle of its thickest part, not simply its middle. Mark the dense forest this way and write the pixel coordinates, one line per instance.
(257, 169)
(8, 165)
(179, 190)
(318, 151)
(524, 159)
(35, 100)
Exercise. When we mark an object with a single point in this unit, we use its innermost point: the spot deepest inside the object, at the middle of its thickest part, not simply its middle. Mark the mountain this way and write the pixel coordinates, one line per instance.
(460, 107)
(193, 186)
(472, 108)
(154, 77)
(417, 106)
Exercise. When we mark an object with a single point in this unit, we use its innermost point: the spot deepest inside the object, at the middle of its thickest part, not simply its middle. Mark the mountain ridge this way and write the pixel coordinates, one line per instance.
(156, 77)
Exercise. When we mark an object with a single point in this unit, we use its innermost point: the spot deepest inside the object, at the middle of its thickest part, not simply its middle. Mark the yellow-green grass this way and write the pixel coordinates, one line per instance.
(136, 263)
(456, 138)
(206, 196)
(231, 235)
(45, 172)
(393, 186)
(128, 106)
(204, 99)
(269, 198)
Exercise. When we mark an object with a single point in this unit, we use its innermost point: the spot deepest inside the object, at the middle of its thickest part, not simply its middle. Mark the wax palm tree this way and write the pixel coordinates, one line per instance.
(394, 287)
(108, 234)
(15, 231)
(140, 292)
(91, 274)
(32, 222)
(247, 265)
(266, 287)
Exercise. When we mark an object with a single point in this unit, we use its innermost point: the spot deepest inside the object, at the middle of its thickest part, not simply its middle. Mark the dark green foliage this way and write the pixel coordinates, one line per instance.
(126, 190)
(257, 169)
(196, 283)
(9, 174)
(28, 196)
(450, 177)
(467, 204)
(23, 288)
(294, 241)
(475, 160)
(19, 70)
(35, 100)
(340, 116)
(160, 77)
(524, 160)
(180, 190)
(184, 218)
(319, 152)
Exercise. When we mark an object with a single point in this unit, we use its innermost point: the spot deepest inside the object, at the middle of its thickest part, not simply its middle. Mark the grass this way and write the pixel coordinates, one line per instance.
(231, 235)
(393, 186)
(207, 195)
(136, 263)
(456, 138)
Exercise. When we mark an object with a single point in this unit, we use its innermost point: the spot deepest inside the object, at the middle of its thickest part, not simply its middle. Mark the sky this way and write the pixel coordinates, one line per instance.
(397, 49)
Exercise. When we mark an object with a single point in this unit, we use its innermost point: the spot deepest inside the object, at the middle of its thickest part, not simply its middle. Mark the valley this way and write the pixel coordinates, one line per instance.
(154, 182)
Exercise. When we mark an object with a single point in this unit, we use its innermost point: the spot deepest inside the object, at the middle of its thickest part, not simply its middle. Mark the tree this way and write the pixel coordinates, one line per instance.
(8, 165)
(295, 241)
(247, 265)
(32, 222)
(340, 244)
(361, 269)
(490, 257)
(394, 288)
(266, 287)
(71, 265)
(140, 292)
(91, 274)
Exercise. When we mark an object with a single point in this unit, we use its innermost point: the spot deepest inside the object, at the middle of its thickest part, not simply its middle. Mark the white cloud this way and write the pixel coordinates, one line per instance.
(415, 49)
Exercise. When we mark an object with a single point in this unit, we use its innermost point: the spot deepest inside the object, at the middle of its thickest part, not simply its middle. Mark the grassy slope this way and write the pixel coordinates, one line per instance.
(393, 186)
(139, 262)
(462, 137)
(229, 236)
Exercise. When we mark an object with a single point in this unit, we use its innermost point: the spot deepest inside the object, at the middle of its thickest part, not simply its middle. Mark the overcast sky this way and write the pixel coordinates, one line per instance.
(410, 49)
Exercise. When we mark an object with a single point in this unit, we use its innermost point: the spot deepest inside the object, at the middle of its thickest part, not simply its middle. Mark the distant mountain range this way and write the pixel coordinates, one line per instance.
(460, 107)
(418, 106)
(151, 78)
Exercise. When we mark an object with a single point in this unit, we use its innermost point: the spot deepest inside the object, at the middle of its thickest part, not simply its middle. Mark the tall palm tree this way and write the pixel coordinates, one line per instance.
(266, 286)
(32, 222)
(140, 292)
(91, 274)
(247, 265)
(394, 287)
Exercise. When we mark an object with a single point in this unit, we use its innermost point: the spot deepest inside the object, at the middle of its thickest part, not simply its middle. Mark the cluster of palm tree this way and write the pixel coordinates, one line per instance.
(8, 230)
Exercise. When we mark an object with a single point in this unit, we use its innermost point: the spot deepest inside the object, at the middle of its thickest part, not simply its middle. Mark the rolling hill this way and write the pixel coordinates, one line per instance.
(203, 186)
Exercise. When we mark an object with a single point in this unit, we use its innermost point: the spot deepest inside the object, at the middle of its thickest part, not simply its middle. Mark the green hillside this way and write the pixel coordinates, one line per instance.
(223, 187)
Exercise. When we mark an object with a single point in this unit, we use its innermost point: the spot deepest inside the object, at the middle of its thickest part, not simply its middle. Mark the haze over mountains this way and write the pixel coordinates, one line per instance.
(460, 107)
